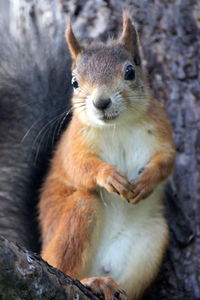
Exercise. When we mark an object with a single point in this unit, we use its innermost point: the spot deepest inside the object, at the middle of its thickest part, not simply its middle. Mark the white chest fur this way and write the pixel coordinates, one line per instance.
(127, 228)
(128, 148)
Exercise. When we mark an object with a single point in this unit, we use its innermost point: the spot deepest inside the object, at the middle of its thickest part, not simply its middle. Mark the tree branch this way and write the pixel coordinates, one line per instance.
(24, 275)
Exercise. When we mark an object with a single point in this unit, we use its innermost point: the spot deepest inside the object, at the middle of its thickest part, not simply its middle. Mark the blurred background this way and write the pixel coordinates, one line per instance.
(35, 83)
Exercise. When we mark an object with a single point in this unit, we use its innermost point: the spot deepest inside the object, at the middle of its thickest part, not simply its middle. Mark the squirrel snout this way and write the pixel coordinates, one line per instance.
(102, 104)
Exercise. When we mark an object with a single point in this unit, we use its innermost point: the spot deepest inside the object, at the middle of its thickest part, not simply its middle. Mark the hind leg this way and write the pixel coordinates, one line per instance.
(71, 226)
(72, 231)
(145, 259)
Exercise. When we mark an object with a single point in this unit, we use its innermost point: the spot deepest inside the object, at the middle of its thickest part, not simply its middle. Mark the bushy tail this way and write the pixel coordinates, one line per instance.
(34, 99)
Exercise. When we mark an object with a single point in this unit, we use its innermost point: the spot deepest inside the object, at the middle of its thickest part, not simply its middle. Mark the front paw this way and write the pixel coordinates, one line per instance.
(144, 185)
(114, 182)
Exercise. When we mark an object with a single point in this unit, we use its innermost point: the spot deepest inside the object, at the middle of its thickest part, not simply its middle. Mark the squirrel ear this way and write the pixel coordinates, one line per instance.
(73, 44)
(129, 38)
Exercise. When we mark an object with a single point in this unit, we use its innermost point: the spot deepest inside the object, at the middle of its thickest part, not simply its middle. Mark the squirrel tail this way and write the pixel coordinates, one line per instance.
(34, 100)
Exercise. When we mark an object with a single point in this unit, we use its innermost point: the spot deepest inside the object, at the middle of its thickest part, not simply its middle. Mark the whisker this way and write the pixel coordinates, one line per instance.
(37, 121)
(78, 102)
(136, 97)
(57, 127)
(46, 125)
(113, 133)
(45, 128)
(42, 134)
(62, 121)
(82, 89)
(84, 108)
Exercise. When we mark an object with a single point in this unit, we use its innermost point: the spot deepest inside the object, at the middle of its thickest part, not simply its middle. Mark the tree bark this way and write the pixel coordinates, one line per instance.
(24, 275)
(169, 33)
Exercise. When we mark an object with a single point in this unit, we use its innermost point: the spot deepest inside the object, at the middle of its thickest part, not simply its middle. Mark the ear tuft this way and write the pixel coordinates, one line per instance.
(129, 38)
(73, 44)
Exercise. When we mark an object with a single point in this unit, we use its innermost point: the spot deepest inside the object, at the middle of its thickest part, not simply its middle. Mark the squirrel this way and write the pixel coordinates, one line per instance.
(101, 205)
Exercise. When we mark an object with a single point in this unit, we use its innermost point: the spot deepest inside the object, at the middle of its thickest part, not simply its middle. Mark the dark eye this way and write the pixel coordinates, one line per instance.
(129, 73)
(74, 82)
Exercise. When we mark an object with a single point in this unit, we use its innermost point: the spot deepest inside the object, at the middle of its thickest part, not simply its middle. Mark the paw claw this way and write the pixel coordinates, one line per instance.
(105, 286)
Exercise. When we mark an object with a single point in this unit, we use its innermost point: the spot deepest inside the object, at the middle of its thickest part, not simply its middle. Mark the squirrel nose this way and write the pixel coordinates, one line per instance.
(102, 104)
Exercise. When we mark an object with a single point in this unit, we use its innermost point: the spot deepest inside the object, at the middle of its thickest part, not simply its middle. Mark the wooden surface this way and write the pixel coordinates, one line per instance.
(24, 275)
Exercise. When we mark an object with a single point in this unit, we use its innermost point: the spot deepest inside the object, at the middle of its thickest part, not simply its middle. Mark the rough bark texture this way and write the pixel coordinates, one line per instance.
(24, 275)
(169, 33)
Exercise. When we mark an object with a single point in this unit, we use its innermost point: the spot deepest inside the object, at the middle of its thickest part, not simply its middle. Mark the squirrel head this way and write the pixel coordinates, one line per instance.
(108, 80)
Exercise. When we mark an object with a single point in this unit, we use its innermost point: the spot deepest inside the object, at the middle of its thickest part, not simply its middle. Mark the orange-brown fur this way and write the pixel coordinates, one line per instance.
(69, 208)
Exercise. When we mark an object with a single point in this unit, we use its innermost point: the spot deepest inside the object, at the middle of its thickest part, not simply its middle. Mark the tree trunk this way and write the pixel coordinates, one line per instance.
(169, 33)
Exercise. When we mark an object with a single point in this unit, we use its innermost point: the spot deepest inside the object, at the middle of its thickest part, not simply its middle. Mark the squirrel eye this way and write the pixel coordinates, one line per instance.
(74, 82)
(129, 73)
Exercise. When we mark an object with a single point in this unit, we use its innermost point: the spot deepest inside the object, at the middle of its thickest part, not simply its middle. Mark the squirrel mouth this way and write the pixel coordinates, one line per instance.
(110, 117)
